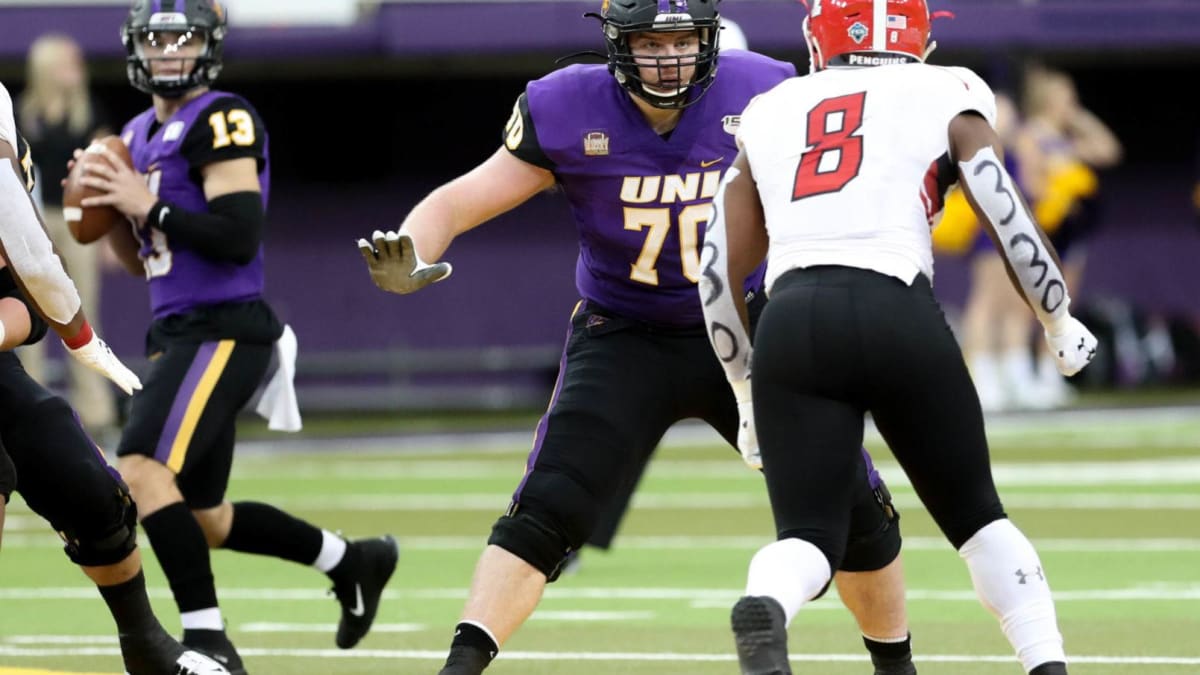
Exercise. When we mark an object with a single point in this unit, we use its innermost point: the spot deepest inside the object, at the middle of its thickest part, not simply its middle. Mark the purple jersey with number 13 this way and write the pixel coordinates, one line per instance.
(181, 279)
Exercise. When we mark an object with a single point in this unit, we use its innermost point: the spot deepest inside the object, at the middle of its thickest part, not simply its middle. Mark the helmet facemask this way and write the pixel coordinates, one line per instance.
(666, 19)
(165, 37)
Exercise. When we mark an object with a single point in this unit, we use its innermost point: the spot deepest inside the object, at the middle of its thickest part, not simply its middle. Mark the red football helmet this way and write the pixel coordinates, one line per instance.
(866, 32)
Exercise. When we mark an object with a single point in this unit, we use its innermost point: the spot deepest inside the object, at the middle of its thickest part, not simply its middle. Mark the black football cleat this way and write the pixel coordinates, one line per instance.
(760, 632)
(358, 585)
(215, 645)
(157, 653)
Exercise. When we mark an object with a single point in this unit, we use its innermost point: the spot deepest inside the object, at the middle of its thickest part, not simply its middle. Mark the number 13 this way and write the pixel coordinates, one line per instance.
(243, 128)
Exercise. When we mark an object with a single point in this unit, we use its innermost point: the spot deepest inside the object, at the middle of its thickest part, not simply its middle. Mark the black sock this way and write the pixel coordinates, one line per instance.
(182, 551)
(470, 652)
(129, 605)
(265, 530)
(1050, 668)
(890, 657)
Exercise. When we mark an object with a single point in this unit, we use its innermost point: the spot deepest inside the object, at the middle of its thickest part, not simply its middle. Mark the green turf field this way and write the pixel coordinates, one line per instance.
(1111, 499)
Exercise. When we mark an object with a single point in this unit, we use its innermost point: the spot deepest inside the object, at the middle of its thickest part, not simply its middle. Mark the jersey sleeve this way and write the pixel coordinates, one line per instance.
(227, 129)
(8, 125)
(9, 134)
(975, 95)
(520, 136)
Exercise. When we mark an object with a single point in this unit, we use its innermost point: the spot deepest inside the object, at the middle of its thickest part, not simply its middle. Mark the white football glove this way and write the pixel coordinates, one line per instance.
(747, 440)
(96, 355)
(1071, 343)
(395, 266)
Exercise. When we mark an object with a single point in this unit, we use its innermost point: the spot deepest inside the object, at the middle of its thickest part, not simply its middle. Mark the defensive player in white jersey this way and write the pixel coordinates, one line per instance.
(44, 453)
(839, 177)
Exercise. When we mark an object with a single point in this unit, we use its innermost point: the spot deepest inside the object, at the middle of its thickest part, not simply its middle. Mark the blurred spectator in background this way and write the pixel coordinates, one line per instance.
(57, 114)
(1060, 147)
(996, 323)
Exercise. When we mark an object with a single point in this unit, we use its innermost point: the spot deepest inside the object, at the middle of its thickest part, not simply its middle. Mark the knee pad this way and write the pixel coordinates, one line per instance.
(531, 536)
(874, 540)
(568, 506)
(108, 544)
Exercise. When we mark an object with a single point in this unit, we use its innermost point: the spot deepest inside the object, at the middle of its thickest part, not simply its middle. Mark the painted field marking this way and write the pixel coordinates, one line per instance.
(437, 655)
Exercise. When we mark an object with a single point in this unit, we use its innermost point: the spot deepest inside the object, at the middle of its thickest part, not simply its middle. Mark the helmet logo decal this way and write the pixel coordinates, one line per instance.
(858, 32)
(604, 8)
(163, 19)
(668, 6)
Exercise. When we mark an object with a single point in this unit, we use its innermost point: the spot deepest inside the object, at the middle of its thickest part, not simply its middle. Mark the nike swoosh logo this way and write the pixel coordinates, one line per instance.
(705, 165)
(358, 610)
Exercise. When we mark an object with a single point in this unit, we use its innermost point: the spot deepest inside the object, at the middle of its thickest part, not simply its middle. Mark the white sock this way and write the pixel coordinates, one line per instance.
(202, 619)
(333, 548)
(1011, 584)
(792, 571)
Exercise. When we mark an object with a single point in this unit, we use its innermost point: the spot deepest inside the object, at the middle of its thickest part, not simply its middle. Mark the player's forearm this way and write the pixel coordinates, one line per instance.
(231, 230)
(31, 257)
(725, 315)
(1032, 264)
(125, 246)
(435, 222)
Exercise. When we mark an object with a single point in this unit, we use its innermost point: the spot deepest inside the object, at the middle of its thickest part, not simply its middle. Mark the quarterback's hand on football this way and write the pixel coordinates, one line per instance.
(395, 266)
(747, 440)
(1071, 343)
(95, 354)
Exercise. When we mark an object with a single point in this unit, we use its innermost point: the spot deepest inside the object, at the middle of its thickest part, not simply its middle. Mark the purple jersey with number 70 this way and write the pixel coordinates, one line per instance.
(641, 201)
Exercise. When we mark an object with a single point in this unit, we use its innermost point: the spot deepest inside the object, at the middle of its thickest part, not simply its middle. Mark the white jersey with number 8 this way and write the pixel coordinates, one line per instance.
(856, 179)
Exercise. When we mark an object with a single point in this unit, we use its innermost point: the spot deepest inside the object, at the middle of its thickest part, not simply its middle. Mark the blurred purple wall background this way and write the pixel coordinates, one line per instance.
(347, 161)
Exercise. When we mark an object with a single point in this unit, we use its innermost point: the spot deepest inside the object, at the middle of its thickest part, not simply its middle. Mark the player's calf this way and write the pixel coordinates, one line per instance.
(1011, 583)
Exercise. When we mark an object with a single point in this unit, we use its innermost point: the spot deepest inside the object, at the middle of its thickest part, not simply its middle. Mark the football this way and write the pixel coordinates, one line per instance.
(87, 224)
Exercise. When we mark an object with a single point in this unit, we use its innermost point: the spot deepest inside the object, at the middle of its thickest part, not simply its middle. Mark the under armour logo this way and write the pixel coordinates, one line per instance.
(1023, 574)
(1083, 345)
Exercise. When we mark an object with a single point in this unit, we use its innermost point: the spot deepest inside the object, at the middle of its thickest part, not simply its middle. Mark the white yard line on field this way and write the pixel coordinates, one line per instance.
(1104, 429)
(437, 655)
(1158, 592)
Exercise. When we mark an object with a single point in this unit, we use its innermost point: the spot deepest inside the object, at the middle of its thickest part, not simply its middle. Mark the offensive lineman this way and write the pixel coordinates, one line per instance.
(638, 147)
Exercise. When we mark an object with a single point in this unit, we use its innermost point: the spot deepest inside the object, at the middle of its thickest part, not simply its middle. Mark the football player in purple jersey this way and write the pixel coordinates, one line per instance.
(638, 147)
(197, 197)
